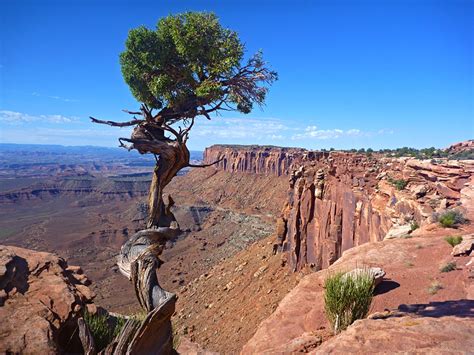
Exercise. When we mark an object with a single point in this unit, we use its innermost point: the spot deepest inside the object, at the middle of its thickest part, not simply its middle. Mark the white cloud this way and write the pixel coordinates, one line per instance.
(54, 97)
(315, 132)
(13, 117)
(241, 128)
(273, 129)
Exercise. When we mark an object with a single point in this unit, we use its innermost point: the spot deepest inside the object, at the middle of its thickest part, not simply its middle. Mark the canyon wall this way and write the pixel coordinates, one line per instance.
(338, 200)
(76, 187)
(347, 200)
(266, 160)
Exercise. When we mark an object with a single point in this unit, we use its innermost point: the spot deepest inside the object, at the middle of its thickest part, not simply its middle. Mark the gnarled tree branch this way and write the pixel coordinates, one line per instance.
(206, 165)
(117, 124)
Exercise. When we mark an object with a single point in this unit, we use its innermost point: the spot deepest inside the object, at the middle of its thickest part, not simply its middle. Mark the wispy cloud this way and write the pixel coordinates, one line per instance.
(13, 117)
(234, 128)
(273, 129)
(54, 97)
(335, 133)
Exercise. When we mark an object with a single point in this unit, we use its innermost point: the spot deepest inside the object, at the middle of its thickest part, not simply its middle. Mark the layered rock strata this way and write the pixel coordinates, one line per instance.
(338, 200)
(266, 160)
(347, 200)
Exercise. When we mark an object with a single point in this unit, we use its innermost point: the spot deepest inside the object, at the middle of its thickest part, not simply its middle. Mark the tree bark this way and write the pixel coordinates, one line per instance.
(172, 156)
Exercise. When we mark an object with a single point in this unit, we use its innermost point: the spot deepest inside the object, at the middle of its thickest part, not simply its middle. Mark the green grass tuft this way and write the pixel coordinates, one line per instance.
(434, 287)
(103, 328)
(453, 240)
(347, 298)
(399, 184)
(451, 266)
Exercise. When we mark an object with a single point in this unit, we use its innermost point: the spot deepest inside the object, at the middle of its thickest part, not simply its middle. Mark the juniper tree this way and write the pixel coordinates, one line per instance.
(188, 67)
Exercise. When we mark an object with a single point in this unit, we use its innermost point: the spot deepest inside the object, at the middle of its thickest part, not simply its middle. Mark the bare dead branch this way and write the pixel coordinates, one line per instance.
(123, 145)
(132, 112)
(117, 124)
(206, 165)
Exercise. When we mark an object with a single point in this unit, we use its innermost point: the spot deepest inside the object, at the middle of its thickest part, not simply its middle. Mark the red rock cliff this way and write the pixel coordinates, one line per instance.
(255, 159)
(347, 200)
(339, 200)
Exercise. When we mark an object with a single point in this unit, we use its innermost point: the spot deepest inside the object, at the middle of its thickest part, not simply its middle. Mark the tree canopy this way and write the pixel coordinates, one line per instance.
(190, 65)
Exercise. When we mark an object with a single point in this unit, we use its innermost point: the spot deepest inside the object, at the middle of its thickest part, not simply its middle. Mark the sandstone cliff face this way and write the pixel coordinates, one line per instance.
(347, 200)
(255, 159)
(339, 200)
(40, 299)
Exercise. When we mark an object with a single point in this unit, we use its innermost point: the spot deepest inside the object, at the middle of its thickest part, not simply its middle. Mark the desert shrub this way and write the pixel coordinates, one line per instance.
(451, 266)
(399, 184)
(434, 287)
(453, 240)
(451, 218)
(414, 226)
(347, 298)
(102, 328)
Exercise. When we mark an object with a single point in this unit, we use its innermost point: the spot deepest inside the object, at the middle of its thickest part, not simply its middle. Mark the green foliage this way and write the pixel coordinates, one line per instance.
(434, 287)
(451, 218)
(465, 155)
(451, 266)
(414, 226)
(453, 240)
(425, 153)
(190, 61)
(347, 298)
(399, 184)
(103, 329)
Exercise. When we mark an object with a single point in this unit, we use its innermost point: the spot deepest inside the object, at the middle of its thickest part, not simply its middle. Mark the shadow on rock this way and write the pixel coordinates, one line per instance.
(459, 308)
(386, 286)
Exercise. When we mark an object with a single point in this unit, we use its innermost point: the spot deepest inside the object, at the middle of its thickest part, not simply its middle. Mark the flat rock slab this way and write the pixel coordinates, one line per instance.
(407, 335)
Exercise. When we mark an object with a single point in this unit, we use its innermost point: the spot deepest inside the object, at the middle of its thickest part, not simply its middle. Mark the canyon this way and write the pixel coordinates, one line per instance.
(262, 229)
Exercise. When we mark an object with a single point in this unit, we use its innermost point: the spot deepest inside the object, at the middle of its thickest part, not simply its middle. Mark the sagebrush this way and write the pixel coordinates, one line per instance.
(453, 240)
(347, 298)
(448, 267)
(451, 218)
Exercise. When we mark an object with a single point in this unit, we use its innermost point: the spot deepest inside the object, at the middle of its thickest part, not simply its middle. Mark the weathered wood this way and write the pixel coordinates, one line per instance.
(139, 256)
(86, 337)
(155, 334)
(120, 344)
(140, 242)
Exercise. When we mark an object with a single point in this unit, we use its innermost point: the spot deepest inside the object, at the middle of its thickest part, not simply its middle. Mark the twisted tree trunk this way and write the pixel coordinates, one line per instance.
(139, 256)
(170, 161)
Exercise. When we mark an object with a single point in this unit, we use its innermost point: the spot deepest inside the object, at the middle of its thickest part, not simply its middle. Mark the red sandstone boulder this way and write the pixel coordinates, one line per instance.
(40, 302)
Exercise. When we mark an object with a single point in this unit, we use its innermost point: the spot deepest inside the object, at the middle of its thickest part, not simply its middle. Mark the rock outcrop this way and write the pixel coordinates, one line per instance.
(405, 333)
(40, 300)
(347, 200)
(461, 147)
(338, 200)
(411, 266)
(266, 160)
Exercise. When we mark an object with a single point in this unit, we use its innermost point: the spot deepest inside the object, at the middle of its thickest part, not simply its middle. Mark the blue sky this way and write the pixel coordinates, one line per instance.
(380, 74)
